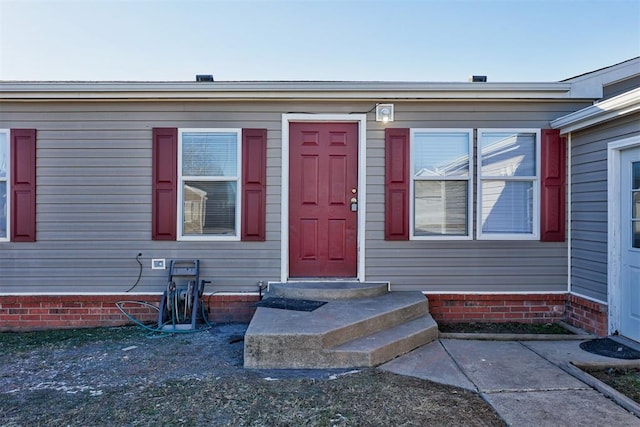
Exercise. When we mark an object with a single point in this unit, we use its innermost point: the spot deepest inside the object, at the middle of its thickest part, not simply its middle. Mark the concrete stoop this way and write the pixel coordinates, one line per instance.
(346, 332)
(327, 291)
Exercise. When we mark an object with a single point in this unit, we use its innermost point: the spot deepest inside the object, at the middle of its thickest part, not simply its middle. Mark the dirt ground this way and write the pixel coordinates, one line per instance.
(504, 328)
(126, 377)
(625, 380)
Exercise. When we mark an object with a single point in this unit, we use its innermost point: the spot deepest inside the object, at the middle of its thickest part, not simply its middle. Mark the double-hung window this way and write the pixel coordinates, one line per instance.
(209, 171)
(508, 183)
(441, 183)
(4, 185)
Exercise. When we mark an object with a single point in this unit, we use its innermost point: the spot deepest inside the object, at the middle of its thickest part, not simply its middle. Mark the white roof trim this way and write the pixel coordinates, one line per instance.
(281, 90)
(609, 109)
(592, 83)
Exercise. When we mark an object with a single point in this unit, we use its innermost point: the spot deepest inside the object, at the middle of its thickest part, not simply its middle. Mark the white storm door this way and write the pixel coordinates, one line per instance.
(630, 243)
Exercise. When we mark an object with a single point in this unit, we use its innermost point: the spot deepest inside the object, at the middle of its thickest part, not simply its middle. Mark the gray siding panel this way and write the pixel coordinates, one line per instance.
(461, 266)
(621, 87)
(94, 201)
(589, 204)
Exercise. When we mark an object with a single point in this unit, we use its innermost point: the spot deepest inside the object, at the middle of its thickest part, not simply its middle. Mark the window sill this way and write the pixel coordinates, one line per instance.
(208, 238)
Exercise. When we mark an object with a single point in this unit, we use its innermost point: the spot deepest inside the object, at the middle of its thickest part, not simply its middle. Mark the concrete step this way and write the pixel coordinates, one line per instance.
(287, 339)
(363, 317)
(388, 344)
(327, 290)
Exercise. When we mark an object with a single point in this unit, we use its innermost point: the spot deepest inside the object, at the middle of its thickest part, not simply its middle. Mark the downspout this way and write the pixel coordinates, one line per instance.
(569, 213)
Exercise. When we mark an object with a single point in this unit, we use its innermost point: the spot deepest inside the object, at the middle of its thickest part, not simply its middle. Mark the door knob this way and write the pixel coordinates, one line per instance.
(354, 204)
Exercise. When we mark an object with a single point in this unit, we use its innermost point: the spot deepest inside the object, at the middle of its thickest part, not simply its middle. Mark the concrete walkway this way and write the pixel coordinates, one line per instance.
(529, 383)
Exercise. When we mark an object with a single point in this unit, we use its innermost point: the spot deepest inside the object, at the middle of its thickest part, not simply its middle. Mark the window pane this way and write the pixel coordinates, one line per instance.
(635, 205)
(209, 208)
(209, 154)
(3, 210)
(636, 176)
(636, 234)
(441, 154)
(507, 207)
(440, 208)
(4, 158)
(508, 154)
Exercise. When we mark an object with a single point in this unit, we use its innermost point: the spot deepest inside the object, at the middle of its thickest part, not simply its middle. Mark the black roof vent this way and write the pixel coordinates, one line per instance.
(478, 79)
(204, 77)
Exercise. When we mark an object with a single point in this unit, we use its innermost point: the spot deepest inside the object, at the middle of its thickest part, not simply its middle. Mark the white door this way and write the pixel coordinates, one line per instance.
(630, 243)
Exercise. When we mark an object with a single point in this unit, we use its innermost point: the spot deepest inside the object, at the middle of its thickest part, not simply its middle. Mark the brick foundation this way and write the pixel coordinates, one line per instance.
(533, 308)
(231, 308)
(33, 312)
(588, 315)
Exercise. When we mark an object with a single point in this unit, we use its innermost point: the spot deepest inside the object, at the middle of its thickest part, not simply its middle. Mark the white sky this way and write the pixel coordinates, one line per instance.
(428, 40)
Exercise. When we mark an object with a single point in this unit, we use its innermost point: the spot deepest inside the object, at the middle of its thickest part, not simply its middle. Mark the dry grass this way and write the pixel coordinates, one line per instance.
(94, 377)
(625, 380)
(369, 398)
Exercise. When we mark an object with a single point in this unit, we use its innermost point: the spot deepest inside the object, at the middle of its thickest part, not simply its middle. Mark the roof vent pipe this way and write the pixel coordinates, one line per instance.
(478, 79)
(204, 77)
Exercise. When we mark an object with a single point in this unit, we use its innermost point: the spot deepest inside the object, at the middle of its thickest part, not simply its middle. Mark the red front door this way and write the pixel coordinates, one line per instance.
(323, 179)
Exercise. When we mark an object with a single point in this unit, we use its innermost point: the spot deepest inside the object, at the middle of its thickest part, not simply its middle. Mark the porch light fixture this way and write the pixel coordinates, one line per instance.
(384, 113)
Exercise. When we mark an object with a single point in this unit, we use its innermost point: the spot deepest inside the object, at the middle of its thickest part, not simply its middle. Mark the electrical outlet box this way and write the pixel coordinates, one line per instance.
(158, 264)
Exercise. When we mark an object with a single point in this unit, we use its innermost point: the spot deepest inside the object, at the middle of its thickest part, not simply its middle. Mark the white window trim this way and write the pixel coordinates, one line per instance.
(469, 234)
(361, 119)
(180, 213)
(7, 179)
(535, 234)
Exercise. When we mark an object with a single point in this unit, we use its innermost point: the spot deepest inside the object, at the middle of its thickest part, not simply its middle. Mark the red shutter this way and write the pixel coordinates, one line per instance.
(164, 183)
(254, 184)
(23, 185)
(397, 184)
(553, 187)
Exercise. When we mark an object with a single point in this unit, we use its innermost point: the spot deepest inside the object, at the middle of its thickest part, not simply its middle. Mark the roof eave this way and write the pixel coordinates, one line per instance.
(280, 91)
(593, 82)
(609, 109)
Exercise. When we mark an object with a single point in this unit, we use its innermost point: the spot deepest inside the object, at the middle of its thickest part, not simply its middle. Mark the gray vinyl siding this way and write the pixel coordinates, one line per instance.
(589, 204)
(469, 265)
(621, 87)
(94, 201)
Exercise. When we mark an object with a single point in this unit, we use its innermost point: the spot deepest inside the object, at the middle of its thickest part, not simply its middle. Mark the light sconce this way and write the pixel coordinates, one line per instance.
(384, 113)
